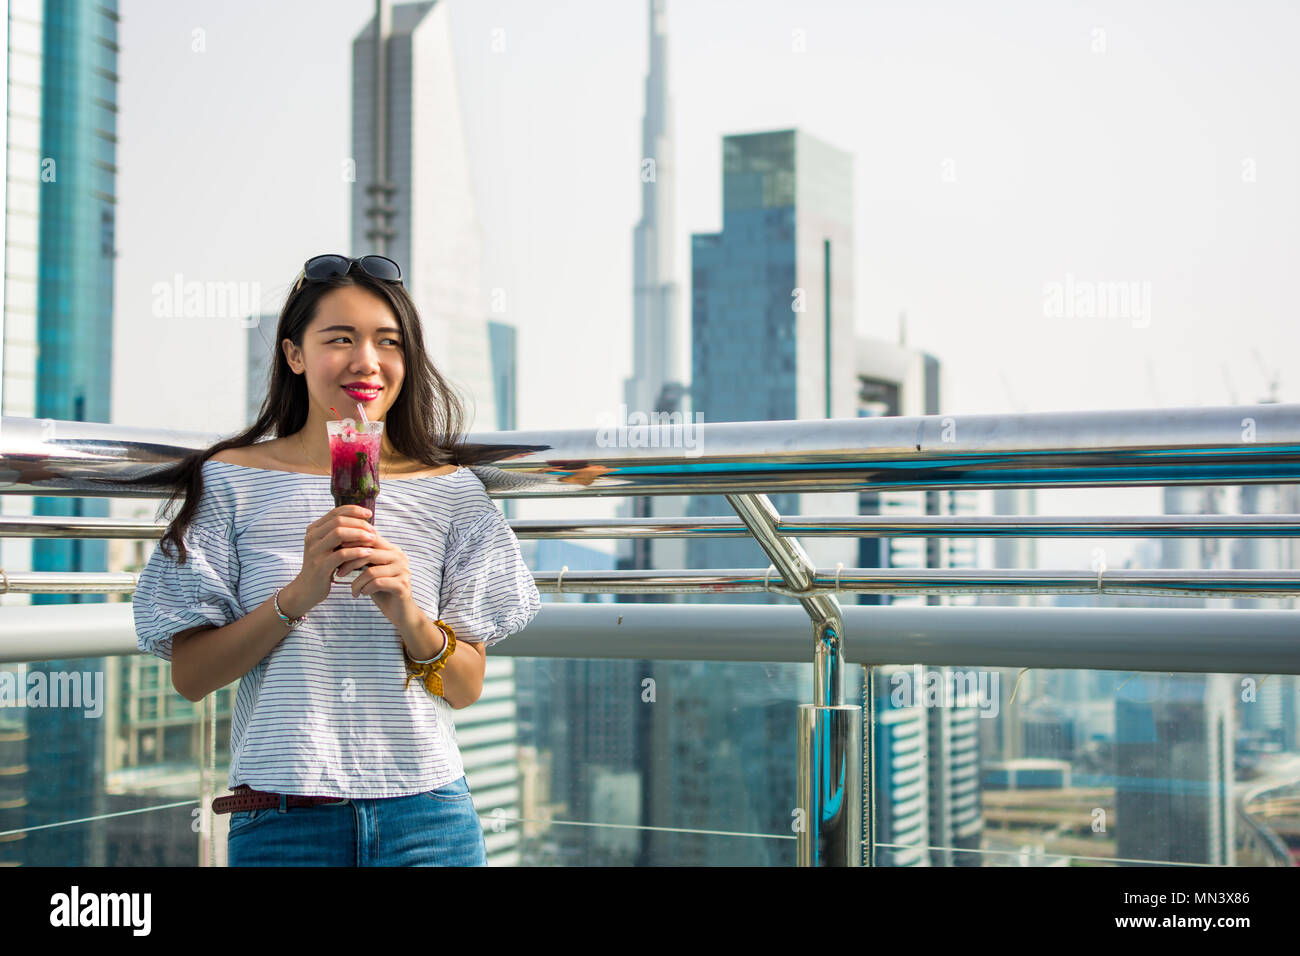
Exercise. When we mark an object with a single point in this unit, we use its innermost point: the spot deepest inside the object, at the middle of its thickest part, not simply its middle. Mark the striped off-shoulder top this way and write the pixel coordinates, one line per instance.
(330, 710)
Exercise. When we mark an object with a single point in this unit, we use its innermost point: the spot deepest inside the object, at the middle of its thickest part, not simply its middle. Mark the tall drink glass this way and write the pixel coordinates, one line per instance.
(354, 469)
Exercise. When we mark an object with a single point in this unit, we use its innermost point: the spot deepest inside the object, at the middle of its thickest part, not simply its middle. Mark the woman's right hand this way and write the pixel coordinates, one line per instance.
(346, 525)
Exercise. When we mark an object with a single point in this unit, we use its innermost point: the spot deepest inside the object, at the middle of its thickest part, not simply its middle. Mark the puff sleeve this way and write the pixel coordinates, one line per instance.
(172, 597)
(487, 591)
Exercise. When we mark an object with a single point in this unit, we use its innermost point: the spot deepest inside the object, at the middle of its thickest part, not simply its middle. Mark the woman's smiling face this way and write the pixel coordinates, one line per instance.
(354, 339)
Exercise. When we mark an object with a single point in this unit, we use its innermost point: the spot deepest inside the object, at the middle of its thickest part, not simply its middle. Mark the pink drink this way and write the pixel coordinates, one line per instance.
(354, 467)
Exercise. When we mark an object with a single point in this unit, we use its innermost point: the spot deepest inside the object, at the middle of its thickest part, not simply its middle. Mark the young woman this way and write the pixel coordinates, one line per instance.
(242, 587)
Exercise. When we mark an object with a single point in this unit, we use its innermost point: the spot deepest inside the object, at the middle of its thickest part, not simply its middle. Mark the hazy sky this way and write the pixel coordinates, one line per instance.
(999, 147)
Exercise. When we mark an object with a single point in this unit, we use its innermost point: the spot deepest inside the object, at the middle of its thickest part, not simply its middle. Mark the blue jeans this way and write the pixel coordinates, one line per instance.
(435, 828)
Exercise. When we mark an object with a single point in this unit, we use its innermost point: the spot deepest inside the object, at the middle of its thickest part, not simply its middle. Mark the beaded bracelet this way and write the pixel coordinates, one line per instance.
(428, 670)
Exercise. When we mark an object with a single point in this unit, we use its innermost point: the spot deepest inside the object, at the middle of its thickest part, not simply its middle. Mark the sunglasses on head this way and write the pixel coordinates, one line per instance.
(323, 267)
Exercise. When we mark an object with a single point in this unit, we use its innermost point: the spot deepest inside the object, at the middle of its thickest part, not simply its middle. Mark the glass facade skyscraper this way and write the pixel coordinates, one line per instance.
(771, 299)
(77, 173)
(772, 315)
(74, 178)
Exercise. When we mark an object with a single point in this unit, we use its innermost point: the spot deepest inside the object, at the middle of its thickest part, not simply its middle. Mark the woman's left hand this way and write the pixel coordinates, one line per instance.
(386, 580)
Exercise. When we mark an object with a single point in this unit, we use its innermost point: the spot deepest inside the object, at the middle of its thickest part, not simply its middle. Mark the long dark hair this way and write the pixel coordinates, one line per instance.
(424, 424)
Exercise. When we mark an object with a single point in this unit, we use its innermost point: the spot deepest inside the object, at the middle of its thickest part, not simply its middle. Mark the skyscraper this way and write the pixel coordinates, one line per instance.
(1174, 769)
(259, 352)
(419, 209)
(657, 384)
(657, 321)
(900, 774)
(581, 717)
(620, 740)
(1272, 719)
(58, 341)
(18, 357)
(413, 201)
(772, 316)
(939, 806)
(77, 184)
(1174, 734)
(1002, 738)
(771, 301)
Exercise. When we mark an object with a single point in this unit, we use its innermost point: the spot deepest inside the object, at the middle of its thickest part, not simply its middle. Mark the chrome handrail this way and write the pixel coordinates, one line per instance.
(745, 461)
(805, 526)
(1236, 444)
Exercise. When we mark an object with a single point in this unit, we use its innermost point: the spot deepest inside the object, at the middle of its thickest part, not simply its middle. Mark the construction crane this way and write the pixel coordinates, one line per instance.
(1272, 378)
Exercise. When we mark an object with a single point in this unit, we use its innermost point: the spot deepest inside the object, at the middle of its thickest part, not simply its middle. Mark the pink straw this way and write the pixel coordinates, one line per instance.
(363, 412)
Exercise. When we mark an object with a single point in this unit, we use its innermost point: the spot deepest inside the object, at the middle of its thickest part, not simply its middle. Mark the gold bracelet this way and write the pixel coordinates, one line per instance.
(428, 671)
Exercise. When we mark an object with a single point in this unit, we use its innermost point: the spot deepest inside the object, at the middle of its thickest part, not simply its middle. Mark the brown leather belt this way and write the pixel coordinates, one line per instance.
(245, 798)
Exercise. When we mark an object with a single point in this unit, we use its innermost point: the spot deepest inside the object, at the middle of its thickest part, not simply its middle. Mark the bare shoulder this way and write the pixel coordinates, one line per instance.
(260, 455)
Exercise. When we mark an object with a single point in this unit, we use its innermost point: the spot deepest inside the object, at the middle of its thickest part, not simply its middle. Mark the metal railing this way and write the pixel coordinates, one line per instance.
(746, 461)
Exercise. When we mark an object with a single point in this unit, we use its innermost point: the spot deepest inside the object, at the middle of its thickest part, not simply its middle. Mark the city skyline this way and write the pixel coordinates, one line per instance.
(573, 738)
(555, 161)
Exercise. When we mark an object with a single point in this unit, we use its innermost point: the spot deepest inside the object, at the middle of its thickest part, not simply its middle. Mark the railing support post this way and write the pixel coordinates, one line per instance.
(830, 785)
(829, 775)
(830, 778)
